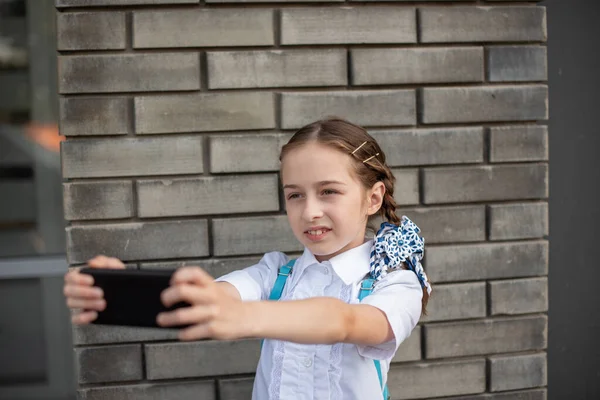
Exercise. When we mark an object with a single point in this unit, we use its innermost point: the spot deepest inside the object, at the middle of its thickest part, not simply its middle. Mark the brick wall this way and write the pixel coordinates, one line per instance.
(175, 112)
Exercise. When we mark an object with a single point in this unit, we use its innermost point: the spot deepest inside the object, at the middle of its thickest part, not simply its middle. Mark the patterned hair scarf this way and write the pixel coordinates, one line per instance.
(394, 245)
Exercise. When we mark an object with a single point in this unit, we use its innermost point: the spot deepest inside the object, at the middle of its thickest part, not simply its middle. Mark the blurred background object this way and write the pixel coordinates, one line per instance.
(35, 335)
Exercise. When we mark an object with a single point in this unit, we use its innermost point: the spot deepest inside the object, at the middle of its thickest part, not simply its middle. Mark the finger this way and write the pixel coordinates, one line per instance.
(85, 292)
(84, 317)
(194, 275)
(191, 294)
(94, 305)
(102, 261)
(77, 278)
(186, 316)
(196, 332)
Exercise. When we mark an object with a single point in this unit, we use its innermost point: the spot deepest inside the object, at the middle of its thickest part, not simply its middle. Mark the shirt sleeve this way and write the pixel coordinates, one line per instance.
(255, 282)
(399, 296)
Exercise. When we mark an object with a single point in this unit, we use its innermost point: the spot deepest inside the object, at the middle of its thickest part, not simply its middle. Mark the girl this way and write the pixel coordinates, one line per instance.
(348, 301)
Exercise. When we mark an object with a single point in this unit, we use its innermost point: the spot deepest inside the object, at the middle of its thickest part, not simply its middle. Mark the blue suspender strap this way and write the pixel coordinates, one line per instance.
(282, 276)
(365, 289)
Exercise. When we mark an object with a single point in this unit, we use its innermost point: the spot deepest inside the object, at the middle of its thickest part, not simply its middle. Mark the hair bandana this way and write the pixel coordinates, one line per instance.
(394, 245)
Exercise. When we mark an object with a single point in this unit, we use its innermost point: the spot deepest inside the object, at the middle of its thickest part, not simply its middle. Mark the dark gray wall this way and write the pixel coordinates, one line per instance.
(574, 318)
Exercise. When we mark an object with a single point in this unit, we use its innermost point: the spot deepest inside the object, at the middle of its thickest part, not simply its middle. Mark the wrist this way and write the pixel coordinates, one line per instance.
(251, 320)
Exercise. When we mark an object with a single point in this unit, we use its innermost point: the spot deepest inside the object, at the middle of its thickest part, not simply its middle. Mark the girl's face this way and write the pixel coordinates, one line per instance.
(327, 206)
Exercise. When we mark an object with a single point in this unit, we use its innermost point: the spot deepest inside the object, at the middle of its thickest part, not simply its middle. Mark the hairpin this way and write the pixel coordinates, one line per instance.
(355, 150)
(370, 158)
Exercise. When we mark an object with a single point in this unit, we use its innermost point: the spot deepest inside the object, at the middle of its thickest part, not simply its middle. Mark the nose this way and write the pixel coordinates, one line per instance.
(312, 209)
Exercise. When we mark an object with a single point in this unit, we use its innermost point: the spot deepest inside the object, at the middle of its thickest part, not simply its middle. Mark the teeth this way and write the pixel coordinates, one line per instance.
(316, 233)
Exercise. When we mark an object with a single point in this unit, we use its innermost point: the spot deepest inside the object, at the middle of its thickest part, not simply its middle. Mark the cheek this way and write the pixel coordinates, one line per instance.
(293, 211)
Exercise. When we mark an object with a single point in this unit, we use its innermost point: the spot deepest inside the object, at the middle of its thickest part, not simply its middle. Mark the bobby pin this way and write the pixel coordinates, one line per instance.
(368, 159)
(355, 150)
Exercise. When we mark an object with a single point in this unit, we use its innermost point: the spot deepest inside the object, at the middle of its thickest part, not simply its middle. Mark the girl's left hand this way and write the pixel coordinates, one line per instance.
(212, 312)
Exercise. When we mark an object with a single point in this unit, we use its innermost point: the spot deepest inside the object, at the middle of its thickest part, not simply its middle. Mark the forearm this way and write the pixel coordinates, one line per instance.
(319, 320)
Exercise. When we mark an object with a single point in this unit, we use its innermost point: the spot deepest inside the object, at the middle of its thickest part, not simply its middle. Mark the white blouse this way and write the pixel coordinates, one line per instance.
(345, 371)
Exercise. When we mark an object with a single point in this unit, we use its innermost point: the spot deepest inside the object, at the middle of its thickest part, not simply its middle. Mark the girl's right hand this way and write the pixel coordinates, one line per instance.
(81, 294)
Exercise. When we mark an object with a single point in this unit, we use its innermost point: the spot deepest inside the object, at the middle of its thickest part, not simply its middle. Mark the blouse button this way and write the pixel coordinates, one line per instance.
(307, 362)
(326, 270)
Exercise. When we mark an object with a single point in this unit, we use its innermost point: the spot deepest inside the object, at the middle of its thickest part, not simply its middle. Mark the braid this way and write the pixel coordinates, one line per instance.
(388, 208)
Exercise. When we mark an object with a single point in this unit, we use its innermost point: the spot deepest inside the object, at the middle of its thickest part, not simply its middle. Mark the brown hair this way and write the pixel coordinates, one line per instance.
(369, 159)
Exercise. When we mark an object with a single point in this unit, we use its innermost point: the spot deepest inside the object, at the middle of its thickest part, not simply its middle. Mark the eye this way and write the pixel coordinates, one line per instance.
(293, 196)
(328, 192)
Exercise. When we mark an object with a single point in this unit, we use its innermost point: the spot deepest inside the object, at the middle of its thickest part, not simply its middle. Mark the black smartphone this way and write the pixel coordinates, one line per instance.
(132, 296)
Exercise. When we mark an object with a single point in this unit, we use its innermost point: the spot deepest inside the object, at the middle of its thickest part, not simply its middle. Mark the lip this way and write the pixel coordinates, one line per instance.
(316, 228)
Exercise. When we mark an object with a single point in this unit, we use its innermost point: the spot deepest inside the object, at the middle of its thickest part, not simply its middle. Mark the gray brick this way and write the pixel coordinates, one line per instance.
(457, 339)
(236, 389)
(128, 73)
(269, 1)
(105, 334)
(457, 301)
(485, 103)
(131, 157)
(421, 1)
(518, 143)
(414, 381)
(138, 240)
(486, 261)
(98, 200)
(90, 31)
(203, 28)
(215, 267)
(449, 224)
(253, 235)
(205, 112)
(410, 349)
(406, 188)
(518, 221)
(110, 363)
(482, 24)
(519, 296)
(348, 25)
(536, 394)
(366, 108)
(425, 65)
(277, 68)
(431, 146)
(246, 152)
(517, 63)
(517, 372)
(93, 116)
(485, 183)
(183, 360)
(204, 390)
(207, 195)
(93, 3)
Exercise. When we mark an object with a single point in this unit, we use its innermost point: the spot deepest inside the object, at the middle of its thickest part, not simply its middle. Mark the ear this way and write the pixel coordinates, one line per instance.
(375, 198)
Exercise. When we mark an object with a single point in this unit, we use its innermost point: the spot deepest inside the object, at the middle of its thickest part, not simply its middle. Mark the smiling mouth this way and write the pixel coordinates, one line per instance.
(317, 234)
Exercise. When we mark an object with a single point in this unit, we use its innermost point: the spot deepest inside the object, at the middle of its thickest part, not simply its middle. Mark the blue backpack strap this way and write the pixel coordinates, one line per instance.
(366, 288)
(282, 276)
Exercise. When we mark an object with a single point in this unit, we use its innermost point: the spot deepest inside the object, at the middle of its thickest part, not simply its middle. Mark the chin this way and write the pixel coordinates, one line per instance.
(323, 251)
